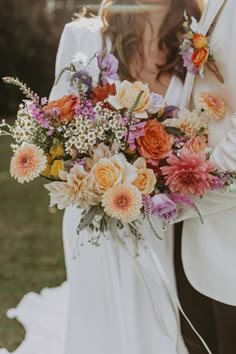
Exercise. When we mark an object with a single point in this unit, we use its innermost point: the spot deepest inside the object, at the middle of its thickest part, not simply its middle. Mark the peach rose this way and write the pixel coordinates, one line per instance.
(197, 143)
(199, 41)
(146, 179)
(109, 172)
(156, 143)
(106, 174)
(127, 94)
(200, 57)
(66, 106)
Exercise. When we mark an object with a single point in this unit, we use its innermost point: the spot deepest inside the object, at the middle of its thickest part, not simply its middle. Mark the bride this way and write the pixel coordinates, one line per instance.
(120, 303)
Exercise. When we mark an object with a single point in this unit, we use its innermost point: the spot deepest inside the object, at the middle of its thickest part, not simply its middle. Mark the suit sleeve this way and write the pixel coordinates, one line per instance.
(224, 154)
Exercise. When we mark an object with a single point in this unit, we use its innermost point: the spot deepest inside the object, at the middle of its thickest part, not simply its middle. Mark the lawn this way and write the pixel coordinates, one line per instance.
(31, 254)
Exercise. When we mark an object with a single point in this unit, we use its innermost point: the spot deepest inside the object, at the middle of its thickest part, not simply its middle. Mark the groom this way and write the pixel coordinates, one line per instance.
(209, 250)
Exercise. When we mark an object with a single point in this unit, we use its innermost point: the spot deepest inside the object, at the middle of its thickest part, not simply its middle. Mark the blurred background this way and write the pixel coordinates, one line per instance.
(31, 254)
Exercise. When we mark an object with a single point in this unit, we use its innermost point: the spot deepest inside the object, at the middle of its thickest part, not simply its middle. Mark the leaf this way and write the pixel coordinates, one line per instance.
(185, 46)
(137, 101)
(88, 218)
(68, 68)
(174, 131)
(112, 224)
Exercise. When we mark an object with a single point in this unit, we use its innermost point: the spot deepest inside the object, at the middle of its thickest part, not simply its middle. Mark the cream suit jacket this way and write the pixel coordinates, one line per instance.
(209, 250)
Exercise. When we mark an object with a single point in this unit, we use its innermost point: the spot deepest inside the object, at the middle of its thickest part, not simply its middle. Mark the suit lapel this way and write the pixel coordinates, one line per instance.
(208, 17)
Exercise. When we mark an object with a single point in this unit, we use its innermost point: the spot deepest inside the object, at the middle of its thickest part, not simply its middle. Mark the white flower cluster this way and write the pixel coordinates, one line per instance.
(83, 133)
(26, 129)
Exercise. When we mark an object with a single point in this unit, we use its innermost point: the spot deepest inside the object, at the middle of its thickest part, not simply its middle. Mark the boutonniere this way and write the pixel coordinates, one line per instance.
(196, 51)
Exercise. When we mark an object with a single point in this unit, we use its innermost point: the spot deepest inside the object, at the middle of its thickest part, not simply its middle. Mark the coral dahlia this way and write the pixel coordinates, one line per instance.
(189, 173)
(27, 163)
(123, 202)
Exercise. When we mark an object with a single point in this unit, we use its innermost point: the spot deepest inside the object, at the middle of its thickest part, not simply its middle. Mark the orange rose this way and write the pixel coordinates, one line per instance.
(197, 143)
(156, 143)
(200, 57)
(199, 41)
(66, 106)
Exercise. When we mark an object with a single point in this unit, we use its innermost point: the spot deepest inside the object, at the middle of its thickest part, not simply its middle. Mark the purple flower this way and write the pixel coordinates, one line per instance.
(83, 79)
(157, 102)
(186, 201)
(37, 114)
(136, 132)
(50, 131)
(188, 64)
(108, 66)
(220, 181)
(164, 207)
(44, 101)
(86, 109)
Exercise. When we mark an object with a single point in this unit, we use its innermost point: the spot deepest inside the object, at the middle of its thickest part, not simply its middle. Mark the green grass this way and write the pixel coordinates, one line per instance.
(31, 254)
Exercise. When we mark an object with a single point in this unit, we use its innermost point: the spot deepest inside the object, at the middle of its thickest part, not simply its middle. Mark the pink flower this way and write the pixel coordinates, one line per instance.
(27, 163)
(189, 173)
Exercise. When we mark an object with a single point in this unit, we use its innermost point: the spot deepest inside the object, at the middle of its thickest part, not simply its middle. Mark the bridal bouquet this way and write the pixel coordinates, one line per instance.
(114, 149)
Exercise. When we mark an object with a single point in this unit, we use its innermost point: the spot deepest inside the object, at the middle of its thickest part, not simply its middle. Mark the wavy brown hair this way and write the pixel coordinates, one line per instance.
(125, 30)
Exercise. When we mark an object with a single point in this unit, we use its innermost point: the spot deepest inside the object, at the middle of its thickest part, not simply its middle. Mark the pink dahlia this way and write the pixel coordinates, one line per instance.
(189, 173)
(27, 163)
(122, 202)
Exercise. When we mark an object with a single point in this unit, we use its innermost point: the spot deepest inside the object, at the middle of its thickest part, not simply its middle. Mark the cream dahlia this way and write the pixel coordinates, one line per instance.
(122, 202)
(212, 105)
(27, 163)
(191, 123)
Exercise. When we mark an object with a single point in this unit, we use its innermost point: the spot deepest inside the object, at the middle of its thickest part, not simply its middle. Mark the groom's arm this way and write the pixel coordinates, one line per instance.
(212, 203)
(224, 154)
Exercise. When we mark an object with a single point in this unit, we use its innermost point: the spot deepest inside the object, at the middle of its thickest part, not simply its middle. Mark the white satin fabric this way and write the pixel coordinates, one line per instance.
(118, 303)
(209, 250)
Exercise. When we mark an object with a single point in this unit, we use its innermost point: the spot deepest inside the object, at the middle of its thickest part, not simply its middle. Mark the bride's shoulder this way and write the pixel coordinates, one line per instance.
(84, 26)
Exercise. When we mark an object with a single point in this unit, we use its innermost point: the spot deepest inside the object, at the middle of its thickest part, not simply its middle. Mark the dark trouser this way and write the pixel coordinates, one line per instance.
(215, 321)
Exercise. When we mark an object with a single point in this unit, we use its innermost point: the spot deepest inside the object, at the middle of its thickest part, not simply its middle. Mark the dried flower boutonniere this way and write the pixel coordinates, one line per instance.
(195, 50)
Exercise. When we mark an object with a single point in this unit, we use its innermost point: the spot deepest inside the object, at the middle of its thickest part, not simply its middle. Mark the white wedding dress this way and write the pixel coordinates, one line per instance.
(117, 303)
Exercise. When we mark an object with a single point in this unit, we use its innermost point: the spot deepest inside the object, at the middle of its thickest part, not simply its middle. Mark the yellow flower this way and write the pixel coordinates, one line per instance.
(56, 150)
(146, 179)
(127, 94)
(199, 41)
(57, 166)
(46, 171)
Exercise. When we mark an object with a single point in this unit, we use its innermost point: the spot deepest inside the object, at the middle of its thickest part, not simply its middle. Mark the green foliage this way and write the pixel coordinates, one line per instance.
(31, 245)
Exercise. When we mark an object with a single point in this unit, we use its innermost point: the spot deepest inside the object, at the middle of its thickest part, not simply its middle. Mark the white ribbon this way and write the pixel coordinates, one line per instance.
(149, 262)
